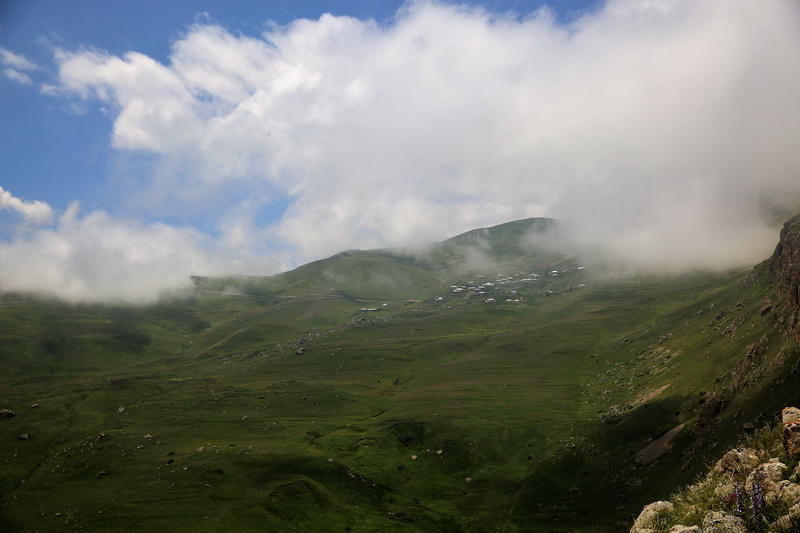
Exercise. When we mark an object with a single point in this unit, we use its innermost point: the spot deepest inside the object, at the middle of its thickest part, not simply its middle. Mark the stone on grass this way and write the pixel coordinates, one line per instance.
(788, 523)
(723, 491)
(6, 414)
(720, 522)
(788, 492)
(684, 529)
(737, 461)
(790, 414)
(791, 439)
(768, 474)
(649, 516)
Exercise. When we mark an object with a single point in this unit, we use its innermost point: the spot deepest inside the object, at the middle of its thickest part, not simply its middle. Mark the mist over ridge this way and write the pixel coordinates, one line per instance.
(660, 135)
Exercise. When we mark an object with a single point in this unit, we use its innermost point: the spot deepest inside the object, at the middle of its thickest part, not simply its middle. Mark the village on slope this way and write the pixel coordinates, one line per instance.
(750, 489)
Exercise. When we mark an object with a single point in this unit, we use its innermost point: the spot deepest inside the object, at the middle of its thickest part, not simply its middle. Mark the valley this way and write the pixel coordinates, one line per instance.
(487, 383)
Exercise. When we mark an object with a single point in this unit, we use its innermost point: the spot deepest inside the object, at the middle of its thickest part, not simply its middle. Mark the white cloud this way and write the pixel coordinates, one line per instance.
(661, 130)
(16, 61)
(97, 257)
(35, 212)
(17, 76)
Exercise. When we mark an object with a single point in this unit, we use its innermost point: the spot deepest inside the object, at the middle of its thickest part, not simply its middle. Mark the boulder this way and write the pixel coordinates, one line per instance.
(737, 461)
(768, 474)
(685, 529)
(723, 491)
(791, 439)
(788, 523)
(719, 522)
(788, 492)
(647, 519)
(790, 414)
(7, 413)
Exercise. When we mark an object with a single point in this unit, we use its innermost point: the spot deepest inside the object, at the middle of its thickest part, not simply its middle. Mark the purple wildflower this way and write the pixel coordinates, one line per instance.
(739, 499)
(758, 498)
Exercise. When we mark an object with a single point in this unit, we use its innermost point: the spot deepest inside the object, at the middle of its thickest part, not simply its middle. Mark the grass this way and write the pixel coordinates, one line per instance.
(522, 416)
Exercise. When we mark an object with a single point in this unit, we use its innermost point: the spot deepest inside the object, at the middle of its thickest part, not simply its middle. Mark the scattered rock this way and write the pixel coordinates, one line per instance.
(400, 517)
(23, 436)
(766, 474)
(6, 414)
(300, 351)
(121, 409)
(788, 523)
(791, 439)
(413, 457)
(684, 529)
(34, 405)
(650, 513)
(101, 436)
(788, 492)
(148, 436)
(720, 522)
(790, 414)
(102, 474)
(737, 461)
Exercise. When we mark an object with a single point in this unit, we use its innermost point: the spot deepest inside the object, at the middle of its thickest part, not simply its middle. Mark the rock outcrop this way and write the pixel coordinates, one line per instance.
(791, 432)
(785, 268)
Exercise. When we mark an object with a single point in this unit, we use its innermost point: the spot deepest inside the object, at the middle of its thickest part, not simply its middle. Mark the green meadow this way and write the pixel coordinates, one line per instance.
(285, 404)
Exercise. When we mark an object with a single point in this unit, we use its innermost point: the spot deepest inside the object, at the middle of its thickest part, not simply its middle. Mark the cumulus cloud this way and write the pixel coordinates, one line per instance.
(98, 258)
(662, 129)
(35, 212)
(664, 133)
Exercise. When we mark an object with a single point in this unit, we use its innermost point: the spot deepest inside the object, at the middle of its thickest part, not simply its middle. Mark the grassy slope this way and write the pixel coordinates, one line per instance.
(248, 435)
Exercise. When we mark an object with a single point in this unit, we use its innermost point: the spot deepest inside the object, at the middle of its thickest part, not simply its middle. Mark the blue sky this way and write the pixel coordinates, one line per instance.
(146, 141)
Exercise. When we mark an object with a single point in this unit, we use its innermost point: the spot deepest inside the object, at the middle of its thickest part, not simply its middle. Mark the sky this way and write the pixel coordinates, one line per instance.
(145, 142)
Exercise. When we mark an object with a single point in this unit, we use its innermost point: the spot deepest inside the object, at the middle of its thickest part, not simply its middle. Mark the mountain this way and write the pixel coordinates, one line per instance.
(487, 382)
(406, 273)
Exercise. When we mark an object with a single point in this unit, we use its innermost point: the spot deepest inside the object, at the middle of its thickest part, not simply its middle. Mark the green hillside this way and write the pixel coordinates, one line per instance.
(486, 383)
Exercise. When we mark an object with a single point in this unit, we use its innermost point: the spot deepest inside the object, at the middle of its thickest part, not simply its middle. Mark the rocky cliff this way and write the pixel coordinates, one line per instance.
(750, 489)
(785, 268)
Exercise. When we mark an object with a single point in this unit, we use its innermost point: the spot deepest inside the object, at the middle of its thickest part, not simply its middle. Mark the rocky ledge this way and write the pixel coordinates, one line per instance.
(784, 265)
(745, 492)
